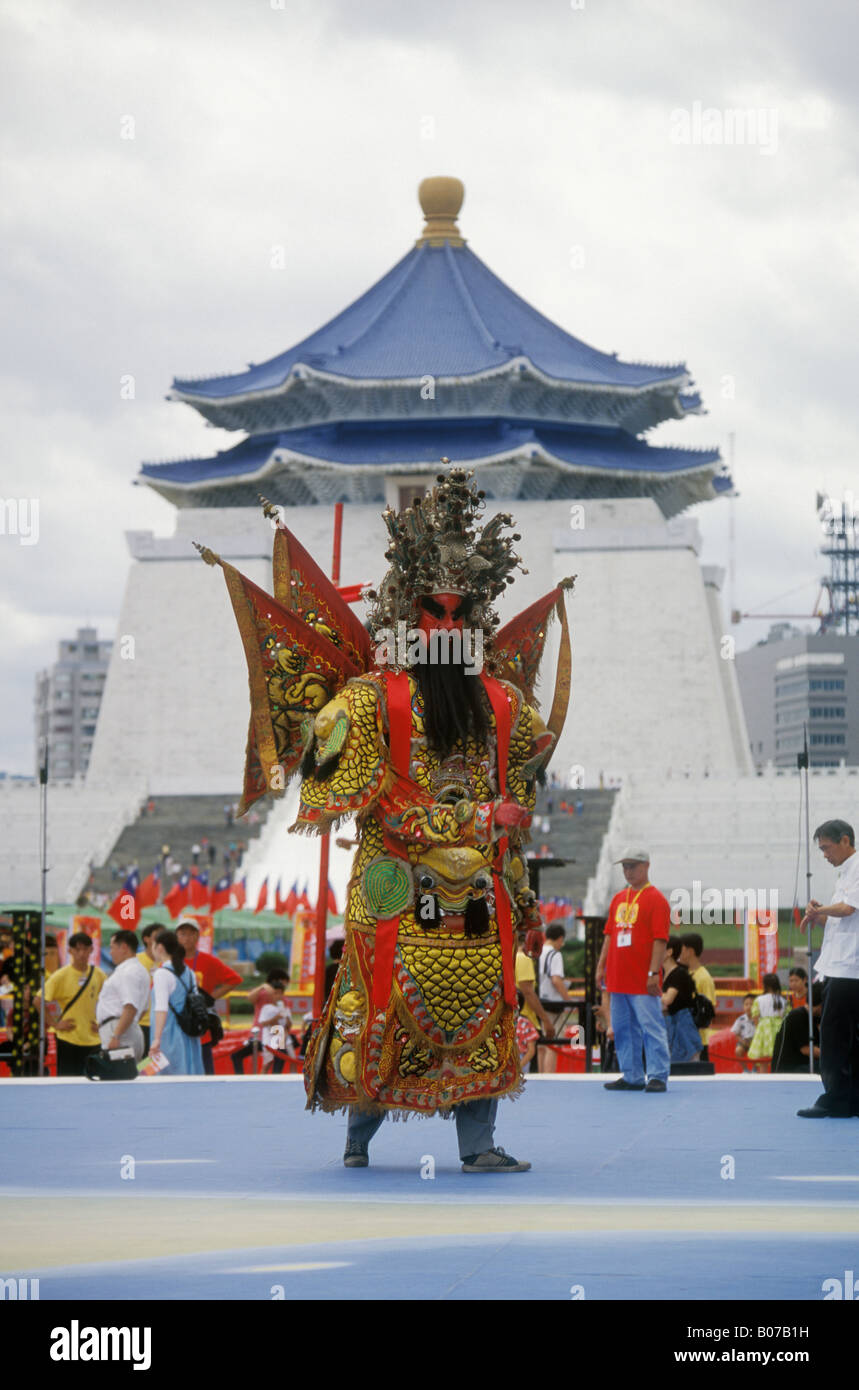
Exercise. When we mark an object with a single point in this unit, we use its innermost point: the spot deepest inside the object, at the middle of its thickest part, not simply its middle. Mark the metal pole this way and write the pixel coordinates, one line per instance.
(731, 536)
(43, 856)
(325, 846)
(803, 763)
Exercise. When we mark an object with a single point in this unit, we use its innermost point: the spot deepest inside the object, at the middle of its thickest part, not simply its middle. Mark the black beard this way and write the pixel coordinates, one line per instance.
(454, 706)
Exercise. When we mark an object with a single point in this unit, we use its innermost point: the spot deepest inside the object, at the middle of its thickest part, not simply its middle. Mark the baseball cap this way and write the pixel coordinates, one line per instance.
(641, 856)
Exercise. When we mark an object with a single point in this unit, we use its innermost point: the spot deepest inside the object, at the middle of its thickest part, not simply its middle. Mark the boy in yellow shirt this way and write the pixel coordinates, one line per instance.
(690, 956)
(147, 959)
(71, 993)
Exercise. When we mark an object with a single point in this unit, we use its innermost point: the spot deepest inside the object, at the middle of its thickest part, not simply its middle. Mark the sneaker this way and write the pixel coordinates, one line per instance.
(655, 1085)
(356, 1155)
(493, 1161)
(621, 1085)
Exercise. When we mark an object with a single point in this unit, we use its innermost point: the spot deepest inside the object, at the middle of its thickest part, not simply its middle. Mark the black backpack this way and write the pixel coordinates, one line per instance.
(194, 1016)
(703, 1012)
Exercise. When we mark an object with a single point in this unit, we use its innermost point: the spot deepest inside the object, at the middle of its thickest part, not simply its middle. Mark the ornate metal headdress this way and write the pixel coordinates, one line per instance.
(438, 546)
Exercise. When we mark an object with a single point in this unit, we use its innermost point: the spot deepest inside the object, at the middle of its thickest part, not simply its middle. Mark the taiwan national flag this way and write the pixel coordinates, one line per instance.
(239, 895)
(291, 901)
(199, 891)
(221, 895)
(304, 901)
(177, 899)
(262, 898)
(279, 902)
(150, 890)
(125, 908)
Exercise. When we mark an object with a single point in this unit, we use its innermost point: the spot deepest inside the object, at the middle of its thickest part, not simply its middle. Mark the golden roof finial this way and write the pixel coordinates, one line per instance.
(441, 199)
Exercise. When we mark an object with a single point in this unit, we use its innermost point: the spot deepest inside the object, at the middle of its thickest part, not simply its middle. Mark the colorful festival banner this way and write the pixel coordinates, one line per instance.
(206, 923)
(92, 927)
(761, 945)
(767, 924)
(302, 956)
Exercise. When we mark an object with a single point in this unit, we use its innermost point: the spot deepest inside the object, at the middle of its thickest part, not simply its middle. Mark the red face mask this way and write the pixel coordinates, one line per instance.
(441, 611)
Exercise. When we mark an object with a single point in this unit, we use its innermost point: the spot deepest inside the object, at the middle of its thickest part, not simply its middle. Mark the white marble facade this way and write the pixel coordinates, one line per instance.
(651, 691)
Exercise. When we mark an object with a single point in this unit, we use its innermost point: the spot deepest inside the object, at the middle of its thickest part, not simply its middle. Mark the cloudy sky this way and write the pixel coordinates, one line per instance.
(308, 124)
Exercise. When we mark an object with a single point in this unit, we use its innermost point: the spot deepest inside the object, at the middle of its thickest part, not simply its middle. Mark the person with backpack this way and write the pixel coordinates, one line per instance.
(678, 1002)
(173, 1007)
(690, 956)
(214, 979)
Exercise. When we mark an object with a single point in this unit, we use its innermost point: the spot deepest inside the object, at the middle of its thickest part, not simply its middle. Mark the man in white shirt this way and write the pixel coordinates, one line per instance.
(838, 965)
(555, 998)
(124, 997)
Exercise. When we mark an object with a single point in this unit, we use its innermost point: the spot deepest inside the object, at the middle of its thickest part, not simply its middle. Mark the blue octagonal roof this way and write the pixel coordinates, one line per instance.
(441, 312)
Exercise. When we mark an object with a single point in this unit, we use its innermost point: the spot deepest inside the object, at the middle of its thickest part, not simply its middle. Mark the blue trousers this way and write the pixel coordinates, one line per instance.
(639, 1026)
(475, 1126)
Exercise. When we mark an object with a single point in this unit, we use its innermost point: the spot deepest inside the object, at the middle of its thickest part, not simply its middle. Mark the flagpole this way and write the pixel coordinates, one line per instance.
(43, 853)
(802, 760)
(325, 846)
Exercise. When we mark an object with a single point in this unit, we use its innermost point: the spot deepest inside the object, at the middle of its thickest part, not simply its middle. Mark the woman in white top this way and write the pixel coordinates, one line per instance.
(170, 986)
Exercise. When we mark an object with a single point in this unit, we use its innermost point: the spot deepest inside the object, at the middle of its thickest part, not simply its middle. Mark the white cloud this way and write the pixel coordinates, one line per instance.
(307, 127)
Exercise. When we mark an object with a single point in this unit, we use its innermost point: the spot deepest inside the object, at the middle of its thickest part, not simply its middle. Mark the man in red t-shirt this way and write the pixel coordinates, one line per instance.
(213, 977)
(637, 929)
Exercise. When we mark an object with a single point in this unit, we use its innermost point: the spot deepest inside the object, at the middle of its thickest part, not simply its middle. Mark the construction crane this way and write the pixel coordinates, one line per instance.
(841, 585)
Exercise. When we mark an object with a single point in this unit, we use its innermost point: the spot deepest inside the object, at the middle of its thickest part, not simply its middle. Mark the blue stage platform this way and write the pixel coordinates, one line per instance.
(229, 1189)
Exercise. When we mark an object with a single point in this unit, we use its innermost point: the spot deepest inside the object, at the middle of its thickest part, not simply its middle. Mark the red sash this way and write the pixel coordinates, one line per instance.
(400, 746)
(501, 710)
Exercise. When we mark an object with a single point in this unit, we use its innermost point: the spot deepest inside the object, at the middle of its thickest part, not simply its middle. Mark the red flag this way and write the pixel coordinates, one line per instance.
(291, 901)
(125, 908)
(279, 902)
(238, 895)
(199, 888)
(221, 894)
(263, 897)
(177, 899)
(304, 901)
(150, 890)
